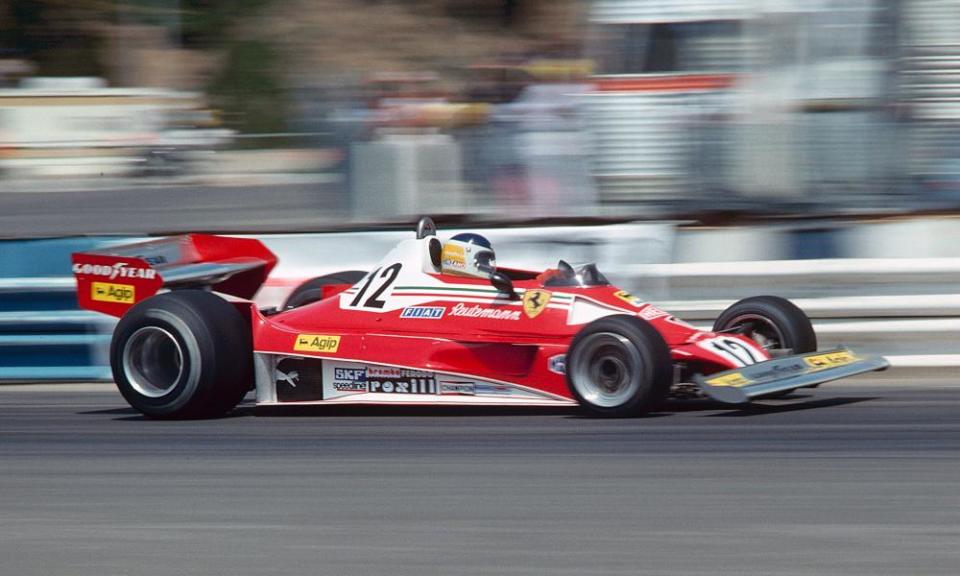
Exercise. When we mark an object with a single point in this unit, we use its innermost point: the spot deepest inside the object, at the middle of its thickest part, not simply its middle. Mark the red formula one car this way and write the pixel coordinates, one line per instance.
(413, 330)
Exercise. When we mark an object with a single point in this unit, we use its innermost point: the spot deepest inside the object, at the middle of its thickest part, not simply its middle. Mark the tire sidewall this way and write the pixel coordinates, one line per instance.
(192, 358)
(210, 333)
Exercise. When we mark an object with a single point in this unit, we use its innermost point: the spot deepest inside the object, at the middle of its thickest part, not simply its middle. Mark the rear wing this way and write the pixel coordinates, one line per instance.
(114, 279)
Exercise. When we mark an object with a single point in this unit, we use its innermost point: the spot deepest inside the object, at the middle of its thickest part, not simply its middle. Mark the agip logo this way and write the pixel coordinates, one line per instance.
(830, 359)
(107, 292)
(535, 302)
(317, 343)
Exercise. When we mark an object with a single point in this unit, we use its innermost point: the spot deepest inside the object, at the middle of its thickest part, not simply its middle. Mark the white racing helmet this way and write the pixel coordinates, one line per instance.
(468, 254)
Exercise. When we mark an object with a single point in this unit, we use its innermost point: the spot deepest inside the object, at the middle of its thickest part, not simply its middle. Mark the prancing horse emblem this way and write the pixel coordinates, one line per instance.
(535, 301)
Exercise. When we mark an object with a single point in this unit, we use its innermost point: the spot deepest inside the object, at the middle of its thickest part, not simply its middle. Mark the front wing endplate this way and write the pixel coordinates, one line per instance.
(787, 373)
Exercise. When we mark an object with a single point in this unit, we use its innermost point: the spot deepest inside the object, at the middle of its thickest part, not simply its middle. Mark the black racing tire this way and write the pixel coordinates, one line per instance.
(773, 322)
(183, 354)
(778, 322)
(619, 366)
(312, 290)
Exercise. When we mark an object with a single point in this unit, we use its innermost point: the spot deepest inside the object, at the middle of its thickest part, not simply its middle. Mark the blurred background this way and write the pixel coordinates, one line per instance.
(163, 115)
(700, 151)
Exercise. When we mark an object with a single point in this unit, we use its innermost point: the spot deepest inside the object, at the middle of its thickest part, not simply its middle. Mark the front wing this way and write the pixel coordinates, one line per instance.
(787, 373)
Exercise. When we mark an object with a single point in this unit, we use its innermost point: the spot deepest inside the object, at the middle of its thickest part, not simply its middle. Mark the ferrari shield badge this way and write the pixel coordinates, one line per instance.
(534, 302)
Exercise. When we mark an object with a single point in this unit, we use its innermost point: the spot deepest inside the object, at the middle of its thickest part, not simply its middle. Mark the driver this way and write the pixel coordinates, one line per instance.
(468, 254)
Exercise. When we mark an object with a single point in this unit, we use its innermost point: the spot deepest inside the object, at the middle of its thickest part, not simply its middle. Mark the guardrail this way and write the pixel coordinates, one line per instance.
(915, 331)
(903, 309)
(44, 337)
(852, 277)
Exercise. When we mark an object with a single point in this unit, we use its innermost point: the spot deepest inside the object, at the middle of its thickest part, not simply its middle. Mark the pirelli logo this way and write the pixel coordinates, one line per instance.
(317, 343)
(107, 292)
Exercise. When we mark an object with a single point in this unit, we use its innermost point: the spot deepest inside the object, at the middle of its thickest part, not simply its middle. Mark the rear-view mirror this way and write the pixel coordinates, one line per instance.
(503, 283)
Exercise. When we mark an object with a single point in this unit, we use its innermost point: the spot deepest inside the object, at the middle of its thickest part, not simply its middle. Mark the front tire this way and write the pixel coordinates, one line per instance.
(619, 366)
(772, 322)
(184, 354)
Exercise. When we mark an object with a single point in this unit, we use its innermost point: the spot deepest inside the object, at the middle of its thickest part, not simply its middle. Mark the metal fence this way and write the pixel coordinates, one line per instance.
(907, 309)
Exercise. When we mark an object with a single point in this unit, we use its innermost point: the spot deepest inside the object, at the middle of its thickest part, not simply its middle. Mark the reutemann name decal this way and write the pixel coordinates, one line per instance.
(476, 311)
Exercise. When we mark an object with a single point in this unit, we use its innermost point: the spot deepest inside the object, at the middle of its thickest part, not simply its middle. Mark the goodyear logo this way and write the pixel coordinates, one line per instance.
(316, 343)
(107, 292)
(830, 359)
(118, 270)
(735, 379)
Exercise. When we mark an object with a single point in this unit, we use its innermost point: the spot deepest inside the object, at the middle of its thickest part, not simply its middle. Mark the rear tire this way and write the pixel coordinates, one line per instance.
(184, 354)
(619, 366)
(312, 290)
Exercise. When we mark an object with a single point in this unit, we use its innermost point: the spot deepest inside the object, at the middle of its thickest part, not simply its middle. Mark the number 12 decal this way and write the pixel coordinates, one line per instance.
(388, 277)
(735, 350)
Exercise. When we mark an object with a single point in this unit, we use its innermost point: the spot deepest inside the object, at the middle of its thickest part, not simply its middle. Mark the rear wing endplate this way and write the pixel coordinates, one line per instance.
(114, 279)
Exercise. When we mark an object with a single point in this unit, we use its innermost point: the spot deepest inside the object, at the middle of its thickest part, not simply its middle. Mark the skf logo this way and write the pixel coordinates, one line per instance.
(106, 292)
(316, 343)
(535, 301)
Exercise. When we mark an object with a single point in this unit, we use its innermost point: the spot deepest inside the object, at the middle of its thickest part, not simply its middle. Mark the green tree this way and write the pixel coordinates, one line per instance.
(249, 89)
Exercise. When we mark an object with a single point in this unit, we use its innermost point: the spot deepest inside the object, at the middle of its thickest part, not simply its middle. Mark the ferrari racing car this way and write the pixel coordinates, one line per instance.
(435, 322)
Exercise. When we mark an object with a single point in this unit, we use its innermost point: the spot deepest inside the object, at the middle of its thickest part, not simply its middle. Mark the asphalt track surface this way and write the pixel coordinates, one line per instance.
(859, 478)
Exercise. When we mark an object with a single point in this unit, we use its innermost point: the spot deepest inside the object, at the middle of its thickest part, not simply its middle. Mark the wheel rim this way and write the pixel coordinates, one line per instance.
(152, 361)
(605, 371)
(760, 329)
